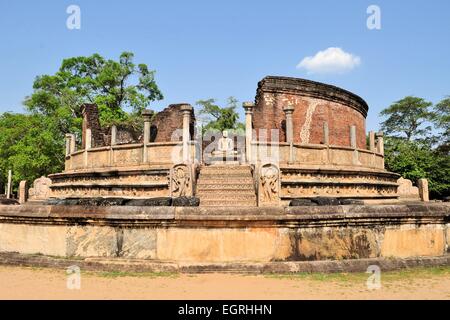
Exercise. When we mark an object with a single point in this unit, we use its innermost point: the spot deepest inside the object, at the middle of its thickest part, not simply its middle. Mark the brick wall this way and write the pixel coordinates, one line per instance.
(91, 121)
(314, 104)
(167, 121)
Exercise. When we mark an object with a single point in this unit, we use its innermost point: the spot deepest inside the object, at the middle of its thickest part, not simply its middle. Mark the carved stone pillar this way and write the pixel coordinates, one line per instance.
(113, 135)
(248, 106)
(288, 110)
(182, 180)
(147, 115)
(423, 190)
(269, 185)
(186, 109)
(23, 191)
(372, 141)
(9, 186)
(326, 134)
(353, 137)
(380, 142)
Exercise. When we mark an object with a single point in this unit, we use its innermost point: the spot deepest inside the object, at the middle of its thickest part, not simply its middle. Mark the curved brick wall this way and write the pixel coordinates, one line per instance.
(314, 103)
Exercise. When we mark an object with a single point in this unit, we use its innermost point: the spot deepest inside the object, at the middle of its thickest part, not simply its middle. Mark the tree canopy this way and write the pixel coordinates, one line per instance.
(412, 149)
(407, 117)
(220, 118)
(115, 86)
(32, 144)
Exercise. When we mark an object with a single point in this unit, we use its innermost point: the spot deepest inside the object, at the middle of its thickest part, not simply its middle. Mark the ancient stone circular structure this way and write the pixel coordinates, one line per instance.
(305, 193)
(312, 133)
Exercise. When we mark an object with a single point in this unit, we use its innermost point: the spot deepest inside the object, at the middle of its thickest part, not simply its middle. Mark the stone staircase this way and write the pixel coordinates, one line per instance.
(226, 186)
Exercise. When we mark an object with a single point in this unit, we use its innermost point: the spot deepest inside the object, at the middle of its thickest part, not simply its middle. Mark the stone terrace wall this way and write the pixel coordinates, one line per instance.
(314, 103)
(167, 121)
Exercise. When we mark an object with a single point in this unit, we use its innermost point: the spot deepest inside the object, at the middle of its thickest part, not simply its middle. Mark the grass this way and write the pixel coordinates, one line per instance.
(387, 276)
(119, 274)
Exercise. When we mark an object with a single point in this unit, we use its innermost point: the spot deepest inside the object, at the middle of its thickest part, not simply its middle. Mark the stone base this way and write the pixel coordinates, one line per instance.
(228, 235)
(136, 265)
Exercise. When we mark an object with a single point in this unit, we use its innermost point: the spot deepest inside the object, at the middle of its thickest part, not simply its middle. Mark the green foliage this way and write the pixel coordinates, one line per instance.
(30, 146)
(407, 117)
(220, 119)
(94, 79)
(441, 119)
(410, 150)
(415, 160)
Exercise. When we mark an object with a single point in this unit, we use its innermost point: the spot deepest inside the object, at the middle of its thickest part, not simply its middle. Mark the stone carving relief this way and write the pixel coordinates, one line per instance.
(406, 190)
(181, 182)
(41, 189)
(269, 185)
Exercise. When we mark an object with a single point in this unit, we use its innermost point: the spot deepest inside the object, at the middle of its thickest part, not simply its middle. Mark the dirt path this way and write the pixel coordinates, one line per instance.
(26, 283)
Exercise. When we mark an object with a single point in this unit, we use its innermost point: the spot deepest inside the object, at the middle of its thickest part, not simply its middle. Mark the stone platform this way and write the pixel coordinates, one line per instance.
(228, 235)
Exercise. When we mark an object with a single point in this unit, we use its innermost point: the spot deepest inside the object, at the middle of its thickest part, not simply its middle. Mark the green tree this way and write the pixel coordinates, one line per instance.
(441, 119)
(30, 145)
(415, 160)
(407, 118)
(220, 118)
(410, 150)
(115, 86)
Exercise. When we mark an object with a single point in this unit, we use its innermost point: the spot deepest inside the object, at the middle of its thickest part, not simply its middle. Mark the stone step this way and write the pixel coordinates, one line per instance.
(230, 188)
(236, 203)
(225, 183)
(226, 186)
(225, 197)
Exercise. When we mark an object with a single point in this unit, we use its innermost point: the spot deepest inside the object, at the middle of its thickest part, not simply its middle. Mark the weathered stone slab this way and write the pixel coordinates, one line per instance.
(406, 190)
(186, 202)
(302, 202)
(41, 189)
(92, 241)
(413, 241)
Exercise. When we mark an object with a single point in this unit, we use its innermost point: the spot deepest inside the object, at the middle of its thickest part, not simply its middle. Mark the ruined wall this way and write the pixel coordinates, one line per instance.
(91, 121)
(167, 121)
(314, 103)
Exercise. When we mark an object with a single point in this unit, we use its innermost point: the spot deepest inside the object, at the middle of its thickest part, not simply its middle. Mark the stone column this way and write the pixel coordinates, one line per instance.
(248, 106)
(68, 141)
(147, 115)
(9, 186)
(380, 143)
(372, 141)
(326, 134)
(186, 109)
(87, 146)
(113, 135)
(88, 139)
(353, 137)
(288, 110)
(23, 192)
(423, 189)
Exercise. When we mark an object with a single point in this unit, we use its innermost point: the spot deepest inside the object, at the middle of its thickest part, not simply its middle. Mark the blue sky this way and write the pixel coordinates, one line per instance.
(212, 49)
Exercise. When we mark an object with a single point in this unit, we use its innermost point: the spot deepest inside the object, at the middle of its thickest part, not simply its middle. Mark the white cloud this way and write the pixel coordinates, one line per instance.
(331, 60)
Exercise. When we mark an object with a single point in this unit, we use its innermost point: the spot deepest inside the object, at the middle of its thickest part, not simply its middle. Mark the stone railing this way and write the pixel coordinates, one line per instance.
(315, 154)
(131, 155)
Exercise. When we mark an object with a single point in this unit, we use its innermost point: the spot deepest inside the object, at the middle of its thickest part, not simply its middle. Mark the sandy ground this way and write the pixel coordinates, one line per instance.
(27, 283)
